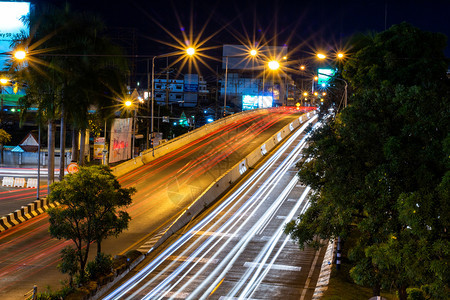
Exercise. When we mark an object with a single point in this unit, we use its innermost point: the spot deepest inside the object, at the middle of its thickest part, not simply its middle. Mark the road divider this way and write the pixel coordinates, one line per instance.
(27, 212)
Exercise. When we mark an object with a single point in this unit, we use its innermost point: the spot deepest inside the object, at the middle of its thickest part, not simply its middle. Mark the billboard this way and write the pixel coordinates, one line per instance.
(120, 143)
(253, 102)
(325, 75)
(11, 25)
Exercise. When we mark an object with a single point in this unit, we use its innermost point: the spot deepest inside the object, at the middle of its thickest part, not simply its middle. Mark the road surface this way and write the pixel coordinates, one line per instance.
(238, 250)
(165, 187)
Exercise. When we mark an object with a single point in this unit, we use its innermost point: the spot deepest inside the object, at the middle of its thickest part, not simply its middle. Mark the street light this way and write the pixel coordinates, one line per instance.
(321, 56)
(128, 104)
(190, 51)
(252, 52)
(20, 54)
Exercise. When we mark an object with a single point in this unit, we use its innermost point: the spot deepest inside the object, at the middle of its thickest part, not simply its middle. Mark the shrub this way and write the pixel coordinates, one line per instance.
(102, 265)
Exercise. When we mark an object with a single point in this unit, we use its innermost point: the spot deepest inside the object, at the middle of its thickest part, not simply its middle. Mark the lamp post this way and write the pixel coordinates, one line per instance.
(128, 104)
(273, 65)
(253, 53)
(190, 51)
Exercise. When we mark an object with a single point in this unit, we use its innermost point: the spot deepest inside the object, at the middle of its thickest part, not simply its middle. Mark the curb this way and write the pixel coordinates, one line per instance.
(325, 271)
(25, 213)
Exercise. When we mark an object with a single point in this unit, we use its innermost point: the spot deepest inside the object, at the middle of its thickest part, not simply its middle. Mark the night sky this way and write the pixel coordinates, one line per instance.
(304, 26)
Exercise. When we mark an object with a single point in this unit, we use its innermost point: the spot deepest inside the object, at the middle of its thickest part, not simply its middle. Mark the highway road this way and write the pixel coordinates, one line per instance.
(237, 250)
(166, 186)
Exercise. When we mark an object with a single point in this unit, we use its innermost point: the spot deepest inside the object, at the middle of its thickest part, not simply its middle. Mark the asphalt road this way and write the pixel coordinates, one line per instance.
(165, 187)
(237, 249)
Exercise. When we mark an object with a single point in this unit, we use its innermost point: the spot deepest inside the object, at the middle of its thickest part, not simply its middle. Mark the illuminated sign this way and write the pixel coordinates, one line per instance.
(11, 24)
(325, 76)
(253, 102)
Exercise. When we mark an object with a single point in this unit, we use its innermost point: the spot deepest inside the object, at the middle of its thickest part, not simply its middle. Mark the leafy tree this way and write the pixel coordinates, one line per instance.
(4, 138)
(89, 212)
(69, 263)
(71, 67)
(380, 169)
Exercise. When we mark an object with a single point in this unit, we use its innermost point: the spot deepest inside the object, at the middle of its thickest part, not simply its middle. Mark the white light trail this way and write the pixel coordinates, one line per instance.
(224, 230)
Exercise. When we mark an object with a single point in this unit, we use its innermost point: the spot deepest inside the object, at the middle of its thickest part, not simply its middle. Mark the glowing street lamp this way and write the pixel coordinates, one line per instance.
(340, 55)
(3, 80)
(321, 56)
(253, 52)
(20, 54)
(274, 65)
(190, 51)
(302, 67)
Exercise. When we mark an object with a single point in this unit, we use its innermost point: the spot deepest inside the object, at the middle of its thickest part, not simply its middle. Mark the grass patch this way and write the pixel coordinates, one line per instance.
(341, 285)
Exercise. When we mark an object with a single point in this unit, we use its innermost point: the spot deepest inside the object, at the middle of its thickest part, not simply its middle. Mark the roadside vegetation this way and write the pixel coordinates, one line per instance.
(381, 168)
(90, 211)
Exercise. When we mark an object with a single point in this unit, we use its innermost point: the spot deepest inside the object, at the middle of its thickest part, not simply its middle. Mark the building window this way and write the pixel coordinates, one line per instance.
(158, 86)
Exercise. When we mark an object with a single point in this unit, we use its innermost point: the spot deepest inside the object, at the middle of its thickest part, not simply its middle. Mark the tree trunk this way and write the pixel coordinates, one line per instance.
(74, 144)
(376, 290)
(402, 294)
(99, 246)
(82, 146)
(51, 154)
(62, 145)
(1, 150)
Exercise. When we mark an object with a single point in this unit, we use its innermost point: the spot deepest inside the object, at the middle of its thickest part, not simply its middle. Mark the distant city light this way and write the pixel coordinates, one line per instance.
(210, 120)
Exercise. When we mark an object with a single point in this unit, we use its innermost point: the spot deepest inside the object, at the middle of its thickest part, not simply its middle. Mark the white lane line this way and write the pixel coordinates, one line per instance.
(273, 267)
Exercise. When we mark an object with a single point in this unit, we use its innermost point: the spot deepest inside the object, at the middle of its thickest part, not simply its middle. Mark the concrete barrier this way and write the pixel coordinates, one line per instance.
(8, 181)
(25, 213)
(32, 183)
(19, 182)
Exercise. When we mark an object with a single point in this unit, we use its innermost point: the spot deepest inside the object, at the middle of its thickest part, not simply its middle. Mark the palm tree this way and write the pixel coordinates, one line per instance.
(71, 67)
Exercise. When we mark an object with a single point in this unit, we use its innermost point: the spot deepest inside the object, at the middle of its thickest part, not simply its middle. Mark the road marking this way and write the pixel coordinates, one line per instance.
(212, 233)
(193, 259)
(274, 266)
(175, 295)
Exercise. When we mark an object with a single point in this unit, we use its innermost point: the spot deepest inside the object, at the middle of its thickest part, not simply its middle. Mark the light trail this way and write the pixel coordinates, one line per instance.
(164, 287)
(44, 254)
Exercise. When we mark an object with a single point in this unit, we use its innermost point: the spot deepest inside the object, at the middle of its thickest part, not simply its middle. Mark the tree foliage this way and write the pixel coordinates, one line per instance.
(380, 169)
(89, 212)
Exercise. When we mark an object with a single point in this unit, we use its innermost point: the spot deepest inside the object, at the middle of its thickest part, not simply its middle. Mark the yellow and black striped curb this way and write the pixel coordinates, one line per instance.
(27, 212)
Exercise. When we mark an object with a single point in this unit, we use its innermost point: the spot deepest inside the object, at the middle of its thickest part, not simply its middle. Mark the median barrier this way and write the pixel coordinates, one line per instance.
(19, 182)
(220, 186)
(32, 183)
(26, 212)
(8, 181)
